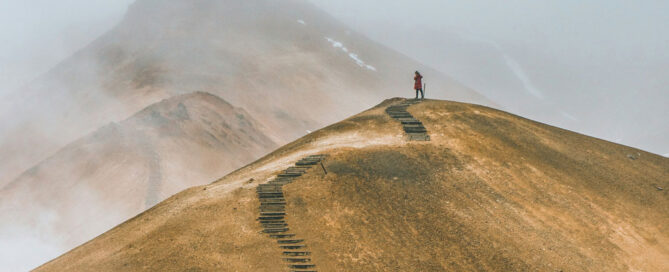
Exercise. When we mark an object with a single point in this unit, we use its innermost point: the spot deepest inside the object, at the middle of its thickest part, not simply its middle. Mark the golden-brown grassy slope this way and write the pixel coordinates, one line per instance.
(490, 192)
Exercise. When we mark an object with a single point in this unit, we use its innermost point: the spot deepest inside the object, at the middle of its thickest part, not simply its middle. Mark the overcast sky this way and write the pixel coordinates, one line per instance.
(595, 28)
(38, 33)
(603, 64)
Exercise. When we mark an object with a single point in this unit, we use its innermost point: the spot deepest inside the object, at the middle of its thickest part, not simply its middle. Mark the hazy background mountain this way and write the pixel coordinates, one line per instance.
(600, 65)
(289, 64)
(120, 170)
(37, 34)
(283, 67)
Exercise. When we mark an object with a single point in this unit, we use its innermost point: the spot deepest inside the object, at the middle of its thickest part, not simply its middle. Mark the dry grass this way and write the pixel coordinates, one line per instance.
(490, 192)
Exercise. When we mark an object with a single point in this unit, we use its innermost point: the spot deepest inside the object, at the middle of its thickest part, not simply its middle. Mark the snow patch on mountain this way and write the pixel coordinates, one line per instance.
(335, 43)
(666, 155)
(522, 76)
(302, 22)
(515, 67)
(351, 55)
(356, 59)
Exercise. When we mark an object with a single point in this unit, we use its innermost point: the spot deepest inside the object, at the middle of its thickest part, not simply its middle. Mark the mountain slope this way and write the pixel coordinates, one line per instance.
(289, 64)
(490, 192)
(124, 168)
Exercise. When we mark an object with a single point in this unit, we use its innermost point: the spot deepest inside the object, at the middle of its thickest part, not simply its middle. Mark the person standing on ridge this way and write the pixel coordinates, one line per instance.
(418, 85)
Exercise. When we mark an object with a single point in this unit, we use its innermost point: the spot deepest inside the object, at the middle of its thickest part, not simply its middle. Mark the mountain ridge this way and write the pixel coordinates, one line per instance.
(490, 191)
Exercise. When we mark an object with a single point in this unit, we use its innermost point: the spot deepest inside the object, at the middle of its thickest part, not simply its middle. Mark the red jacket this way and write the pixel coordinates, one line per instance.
(419, 82)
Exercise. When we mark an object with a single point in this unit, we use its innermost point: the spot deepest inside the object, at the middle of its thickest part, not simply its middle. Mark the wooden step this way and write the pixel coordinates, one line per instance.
(271, 209)
(301, 266)
(307, 162)
(270, 190)
(272, 203)
(272, 214)
(270, 218)
(274, 230)
(415, 129)
(281, 181)
(269, 195)
(271, 222)
(291, 241)
(278, 188)
(297, 260)
(283, 175)
(419, 137)
(400, 114)
(281, 235)
(274, 225)
(296, 253)
(292, 246)
(276, 199)
(269, 185)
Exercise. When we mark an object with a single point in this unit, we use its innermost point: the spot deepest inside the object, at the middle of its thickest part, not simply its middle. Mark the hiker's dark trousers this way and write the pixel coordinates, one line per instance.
(422, 95)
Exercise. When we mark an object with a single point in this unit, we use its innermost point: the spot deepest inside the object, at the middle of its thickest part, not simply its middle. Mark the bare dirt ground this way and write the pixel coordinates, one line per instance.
(490, 192)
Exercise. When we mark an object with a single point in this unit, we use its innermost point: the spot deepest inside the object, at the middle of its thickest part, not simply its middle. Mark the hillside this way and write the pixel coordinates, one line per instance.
(289, 64)
(490, 191)
(124, 168)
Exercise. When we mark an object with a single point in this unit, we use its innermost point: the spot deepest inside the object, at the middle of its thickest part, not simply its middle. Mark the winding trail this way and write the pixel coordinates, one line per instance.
(273, 213)
(155, 178)
(412, 127)
(273, 202)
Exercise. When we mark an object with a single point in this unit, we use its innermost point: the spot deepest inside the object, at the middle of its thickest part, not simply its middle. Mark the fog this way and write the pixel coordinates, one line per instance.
(584, 29)
(596, 67)
(37, 34)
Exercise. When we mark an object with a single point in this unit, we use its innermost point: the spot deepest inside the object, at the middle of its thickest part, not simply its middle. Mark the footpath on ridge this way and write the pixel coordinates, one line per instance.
(273, 202)
(273, 213)
(412, 127)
